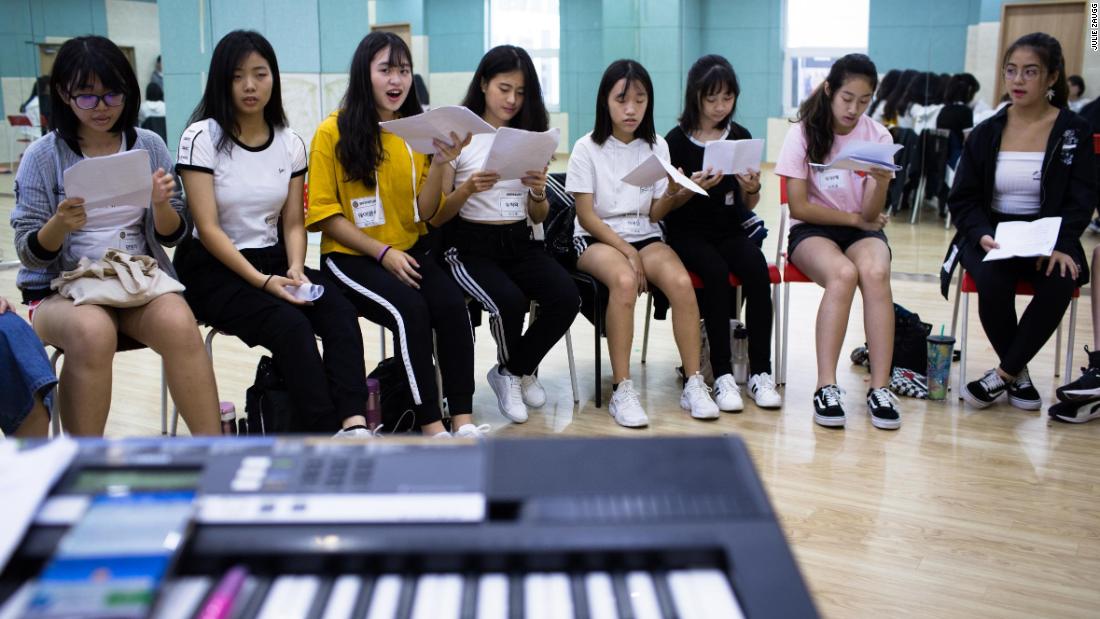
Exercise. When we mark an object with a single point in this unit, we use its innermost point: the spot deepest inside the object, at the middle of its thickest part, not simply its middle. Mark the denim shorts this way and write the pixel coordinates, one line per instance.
(25, 372)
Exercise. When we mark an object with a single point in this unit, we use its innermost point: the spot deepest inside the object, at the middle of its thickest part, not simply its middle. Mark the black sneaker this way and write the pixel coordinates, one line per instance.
(1022, 394)
(884, 415)
(1075, 412)
(828, 408)
(1094, 226)
(984, 391)
(1088, 386)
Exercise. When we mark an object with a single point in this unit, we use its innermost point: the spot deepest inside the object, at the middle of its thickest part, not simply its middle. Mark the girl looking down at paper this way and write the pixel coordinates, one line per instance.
(369, 195)
(491, 249)
(617, 238)
(243, 170)
(95, 98)
(709, 234)
(1032, 159)
(836, 235)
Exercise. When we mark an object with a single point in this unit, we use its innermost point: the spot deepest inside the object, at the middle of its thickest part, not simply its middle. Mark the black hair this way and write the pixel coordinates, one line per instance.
(1049, 51)
(919, 91)
(891, 108)
(631, 71)
(885, 87)
(153, 92)
(77, 63)
(973, 83)
(532, 114)
(1078, 81)
(359, 148)
(816, 113)
(710, 75)
(217, 101)
(958, 90)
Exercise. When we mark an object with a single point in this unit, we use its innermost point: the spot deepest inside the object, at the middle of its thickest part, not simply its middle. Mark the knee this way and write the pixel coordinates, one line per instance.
(93, 340)
(846, 277)
(877, 274)
(624, 285)
(680, 286)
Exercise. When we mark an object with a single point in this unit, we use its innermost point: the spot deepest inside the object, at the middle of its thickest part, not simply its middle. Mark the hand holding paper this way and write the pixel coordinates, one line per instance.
(654, 169)
(437, 124)
(862, 156)
(114, 180)
(733, 156)
(514, 151)
(1023, 239)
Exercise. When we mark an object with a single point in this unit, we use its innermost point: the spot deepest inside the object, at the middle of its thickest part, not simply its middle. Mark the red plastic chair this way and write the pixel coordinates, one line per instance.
(790, 274)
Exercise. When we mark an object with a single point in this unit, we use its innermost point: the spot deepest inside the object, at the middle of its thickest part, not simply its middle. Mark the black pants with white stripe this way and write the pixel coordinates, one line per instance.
(412, 315)
(324, 391)
(502, 268)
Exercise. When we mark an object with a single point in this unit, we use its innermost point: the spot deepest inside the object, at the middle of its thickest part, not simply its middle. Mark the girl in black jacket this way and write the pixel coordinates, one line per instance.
(1033, 159)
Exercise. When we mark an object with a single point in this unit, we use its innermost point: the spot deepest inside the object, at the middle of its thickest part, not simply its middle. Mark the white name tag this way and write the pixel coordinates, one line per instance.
(729, 198)
(131, 241)
(368, 212)
(834, 180)
(512, 204)
(634, 225)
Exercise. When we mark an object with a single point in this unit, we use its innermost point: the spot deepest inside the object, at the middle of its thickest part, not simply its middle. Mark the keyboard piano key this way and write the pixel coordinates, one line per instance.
(643, 596)
(548, 596)
(492, 596)
(180, 598)
(386, 597)
(601, 596)
(703, 594)
(438, 596)
(342, 598)
(290, 597)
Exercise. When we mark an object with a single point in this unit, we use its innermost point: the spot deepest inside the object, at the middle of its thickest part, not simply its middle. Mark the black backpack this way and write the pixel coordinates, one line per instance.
(267, 403)
(395, 397)
(558, 226)
(910, 340)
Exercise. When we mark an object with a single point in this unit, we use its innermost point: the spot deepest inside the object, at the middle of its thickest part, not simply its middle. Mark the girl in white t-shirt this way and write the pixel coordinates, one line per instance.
(245, 272)
(836, 235)
(617, 238)
(491, 250)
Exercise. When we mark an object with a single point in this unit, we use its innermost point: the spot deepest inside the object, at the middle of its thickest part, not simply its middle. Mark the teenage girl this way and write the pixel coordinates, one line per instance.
(95, 98)
(369, 196)
(836, 235)
(619, 242)
(492, 253)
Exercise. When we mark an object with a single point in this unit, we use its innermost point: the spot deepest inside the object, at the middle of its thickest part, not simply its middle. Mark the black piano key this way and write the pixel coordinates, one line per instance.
(622, 595)
(580, 595)
(408, 596)
(317, 609)
(469, 597)
(251, 607)
(362, 602)
(664, 595)
(515, 595)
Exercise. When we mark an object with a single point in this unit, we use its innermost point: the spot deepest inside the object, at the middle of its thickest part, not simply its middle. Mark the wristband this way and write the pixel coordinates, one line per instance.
(537, 197)
(266, 281)
(382, 254)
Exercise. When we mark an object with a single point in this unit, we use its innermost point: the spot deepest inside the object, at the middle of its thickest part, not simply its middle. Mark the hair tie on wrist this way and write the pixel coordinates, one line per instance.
(382, 254)
(267, 281)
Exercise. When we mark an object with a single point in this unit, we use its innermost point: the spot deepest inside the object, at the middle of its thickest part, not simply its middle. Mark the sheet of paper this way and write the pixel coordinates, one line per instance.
(515, 151)
(654, 169)
(25, 478)
(438, 123)
(1024, 239)
(115, 180)
(861, 156)
(306, 292)
(733, 156)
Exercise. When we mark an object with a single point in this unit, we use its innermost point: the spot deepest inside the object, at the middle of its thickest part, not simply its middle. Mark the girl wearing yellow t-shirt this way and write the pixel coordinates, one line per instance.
(369, 196)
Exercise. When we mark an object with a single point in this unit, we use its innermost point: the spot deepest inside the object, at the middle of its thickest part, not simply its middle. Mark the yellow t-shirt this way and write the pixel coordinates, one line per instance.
(331, 194)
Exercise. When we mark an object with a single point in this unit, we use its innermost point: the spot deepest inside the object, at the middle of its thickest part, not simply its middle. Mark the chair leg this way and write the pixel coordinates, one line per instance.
(645, 333)
(164, 400)
(1069, 341)
(55, 410)
(918, 201)
(382, 341)
(955, 312)
(1058, 350)
(597, 309)
(438, 376)
(572, 366)
(737, 303)
(786, 323)
(963, 342)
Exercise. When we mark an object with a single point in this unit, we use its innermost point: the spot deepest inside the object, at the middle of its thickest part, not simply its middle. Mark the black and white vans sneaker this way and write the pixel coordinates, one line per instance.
(983, 392)
(1023, 395)
(1075, 412)
(881, 405)
(828, 407)
(1088, 386)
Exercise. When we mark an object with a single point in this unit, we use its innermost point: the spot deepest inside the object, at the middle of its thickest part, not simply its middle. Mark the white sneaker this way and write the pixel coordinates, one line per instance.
(444, 435)
(469, 430)
(533, 393)
(509, 395)
(355, 432)
(625, 406)
(696, 398)
(762, 391)
(727, 394)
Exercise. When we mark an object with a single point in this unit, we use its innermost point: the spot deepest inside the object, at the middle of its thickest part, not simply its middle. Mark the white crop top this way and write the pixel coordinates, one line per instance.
(1017, 183)
(506, 201)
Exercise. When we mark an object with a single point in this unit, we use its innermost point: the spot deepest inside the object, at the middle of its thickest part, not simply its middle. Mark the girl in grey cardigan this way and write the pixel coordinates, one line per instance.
(95, 97)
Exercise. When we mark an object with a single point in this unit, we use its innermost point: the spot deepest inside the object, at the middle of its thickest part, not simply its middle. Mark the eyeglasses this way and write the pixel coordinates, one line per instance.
(1029, 73)
(91, 102)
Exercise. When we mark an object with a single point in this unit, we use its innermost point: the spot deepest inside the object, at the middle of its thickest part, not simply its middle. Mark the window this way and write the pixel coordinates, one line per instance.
(533, 25)
(818, 32)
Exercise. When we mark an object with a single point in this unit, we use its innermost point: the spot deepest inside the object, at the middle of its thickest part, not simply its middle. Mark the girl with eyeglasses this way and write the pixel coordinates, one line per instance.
(1033, 159)
(95, 98)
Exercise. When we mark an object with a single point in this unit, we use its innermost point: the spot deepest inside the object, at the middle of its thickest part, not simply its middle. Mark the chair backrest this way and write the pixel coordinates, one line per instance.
(784, 216)
(1096, 143)
(19, 120)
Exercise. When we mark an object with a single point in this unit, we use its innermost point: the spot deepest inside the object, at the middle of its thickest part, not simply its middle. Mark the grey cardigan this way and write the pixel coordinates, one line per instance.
(39, 189)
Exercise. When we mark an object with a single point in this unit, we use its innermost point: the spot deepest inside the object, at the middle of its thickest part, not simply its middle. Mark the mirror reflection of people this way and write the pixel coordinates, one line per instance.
(151, 112)
(1077, 98)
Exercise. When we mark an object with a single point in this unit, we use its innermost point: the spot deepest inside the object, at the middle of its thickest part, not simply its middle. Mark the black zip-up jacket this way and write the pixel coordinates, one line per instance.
(1067, 188)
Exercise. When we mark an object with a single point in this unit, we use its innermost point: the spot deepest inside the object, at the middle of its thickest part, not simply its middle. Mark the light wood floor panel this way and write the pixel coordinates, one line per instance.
(960, 513)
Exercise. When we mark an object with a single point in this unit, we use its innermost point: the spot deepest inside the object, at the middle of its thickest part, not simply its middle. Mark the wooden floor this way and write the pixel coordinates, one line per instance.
(960, 513)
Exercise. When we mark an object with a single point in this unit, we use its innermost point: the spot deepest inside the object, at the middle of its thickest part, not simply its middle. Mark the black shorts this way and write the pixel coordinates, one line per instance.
(843, 236)
(581, 243)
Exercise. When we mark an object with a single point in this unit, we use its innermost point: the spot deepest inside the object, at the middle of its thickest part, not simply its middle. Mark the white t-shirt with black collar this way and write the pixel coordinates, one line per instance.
(250, 182)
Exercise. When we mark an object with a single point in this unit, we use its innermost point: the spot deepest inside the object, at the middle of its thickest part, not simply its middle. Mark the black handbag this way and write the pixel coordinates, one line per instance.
(267, 403)
(395, 397)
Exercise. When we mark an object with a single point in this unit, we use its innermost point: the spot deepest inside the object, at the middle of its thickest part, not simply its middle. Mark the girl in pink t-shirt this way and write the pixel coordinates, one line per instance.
(836, 235)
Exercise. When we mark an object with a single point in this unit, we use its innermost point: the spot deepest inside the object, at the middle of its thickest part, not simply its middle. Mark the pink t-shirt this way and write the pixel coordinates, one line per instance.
(836, 189)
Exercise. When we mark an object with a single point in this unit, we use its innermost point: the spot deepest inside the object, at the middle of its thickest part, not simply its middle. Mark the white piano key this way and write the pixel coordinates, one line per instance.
(181, 597)
(703, 594)
(341, 601)
(643, 596)
(492, 597)
(548, 596)
(601, 596)
(386, 597)
(290, 597)
(438, 596)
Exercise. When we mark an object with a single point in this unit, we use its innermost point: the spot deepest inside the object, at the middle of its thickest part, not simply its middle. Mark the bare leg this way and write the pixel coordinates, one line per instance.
(822, 261)
(872, 259)
(167, 326)
(37, 423)
(664, 268)
(611, 268)
(89, 336)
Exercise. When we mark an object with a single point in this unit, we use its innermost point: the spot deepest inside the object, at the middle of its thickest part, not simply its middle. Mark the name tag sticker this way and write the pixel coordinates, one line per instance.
(834, 180)
(368, 212)
(512, 204)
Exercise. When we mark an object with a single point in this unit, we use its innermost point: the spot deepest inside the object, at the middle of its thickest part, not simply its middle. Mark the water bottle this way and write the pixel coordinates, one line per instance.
(228, 412)
(374, 404)
(740, 354)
